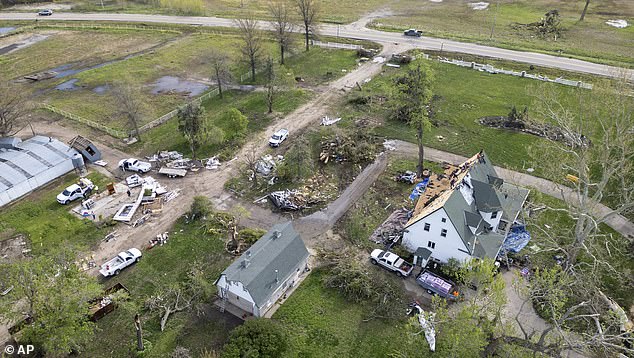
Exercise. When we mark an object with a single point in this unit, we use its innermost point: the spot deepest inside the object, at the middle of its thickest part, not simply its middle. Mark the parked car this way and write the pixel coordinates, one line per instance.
(437, 285)
(45, 12)
(81, 189)
(121, 261)
(278, 137)
(135, 165)
(392, 262)
(413, 32)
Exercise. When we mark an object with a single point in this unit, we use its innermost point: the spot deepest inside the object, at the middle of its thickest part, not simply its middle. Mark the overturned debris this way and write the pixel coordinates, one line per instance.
(267, 164)
(212, 163)
(406, 177)
(544, 130)
(327, 121)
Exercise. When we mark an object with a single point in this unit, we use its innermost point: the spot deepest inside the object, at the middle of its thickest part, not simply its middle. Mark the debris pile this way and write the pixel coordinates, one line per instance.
(401, 59)
(212, 163)
(406, 177)
(327, 121)
(367, 52)
(391, 230)
(543, 130)
(267, 164)
(360, 147)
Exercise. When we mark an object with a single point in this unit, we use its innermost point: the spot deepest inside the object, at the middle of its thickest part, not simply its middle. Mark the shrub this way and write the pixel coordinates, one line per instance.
(250, 236)
(256, 338)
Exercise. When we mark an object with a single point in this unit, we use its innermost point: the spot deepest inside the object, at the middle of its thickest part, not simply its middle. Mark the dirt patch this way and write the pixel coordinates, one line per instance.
(42, 5)
(171, 84)
(22, 43)
(13, 249)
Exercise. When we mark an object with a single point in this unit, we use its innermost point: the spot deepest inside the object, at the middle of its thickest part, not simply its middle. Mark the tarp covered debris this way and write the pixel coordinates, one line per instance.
(419, 189)
(516, 240)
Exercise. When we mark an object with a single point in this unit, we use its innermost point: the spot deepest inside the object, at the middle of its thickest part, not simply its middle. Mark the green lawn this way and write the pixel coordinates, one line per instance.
(591, 39)
(462, 97)
(47, 223)
(321, 323)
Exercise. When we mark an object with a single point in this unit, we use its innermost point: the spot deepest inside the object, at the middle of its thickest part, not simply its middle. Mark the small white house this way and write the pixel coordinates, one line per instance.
(465, 213)
(272, 265)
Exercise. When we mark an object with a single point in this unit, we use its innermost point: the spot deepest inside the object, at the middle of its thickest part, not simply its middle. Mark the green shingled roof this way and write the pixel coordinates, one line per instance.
(280, 249)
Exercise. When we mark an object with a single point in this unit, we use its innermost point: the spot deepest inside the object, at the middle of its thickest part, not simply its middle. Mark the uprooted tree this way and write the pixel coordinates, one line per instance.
(52, 295)
(412, 100)
(13, 109)
(172, 298)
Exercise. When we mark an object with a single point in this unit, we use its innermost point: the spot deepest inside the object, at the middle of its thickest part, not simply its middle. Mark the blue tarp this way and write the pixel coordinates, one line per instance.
(419, 189)
(516, 240)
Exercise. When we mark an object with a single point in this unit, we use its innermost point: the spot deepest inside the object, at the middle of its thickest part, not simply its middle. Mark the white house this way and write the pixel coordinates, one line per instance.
(464, 213)
(258, 278)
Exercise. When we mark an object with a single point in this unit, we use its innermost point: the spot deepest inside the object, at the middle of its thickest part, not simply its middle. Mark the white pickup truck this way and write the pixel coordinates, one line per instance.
(123, 260)
(135, 165)
(278, 137)
(81, 189)
(392, 262)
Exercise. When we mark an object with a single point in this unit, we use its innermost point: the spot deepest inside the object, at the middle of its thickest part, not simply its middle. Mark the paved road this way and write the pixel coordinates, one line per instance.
(356, 32)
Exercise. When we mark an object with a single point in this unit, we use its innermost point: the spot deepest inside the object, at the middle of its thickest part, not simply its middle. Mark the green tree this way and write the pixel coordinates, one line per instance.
(411, 102)
(194, 127)
(236, 123)
(282, 25)
(298, 161)
(54, 294)
(256, 338)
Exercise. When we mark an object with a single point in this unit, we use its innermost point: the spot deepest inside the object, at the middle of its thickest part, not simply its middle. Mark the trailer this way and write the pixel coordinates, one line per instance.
(173, 172)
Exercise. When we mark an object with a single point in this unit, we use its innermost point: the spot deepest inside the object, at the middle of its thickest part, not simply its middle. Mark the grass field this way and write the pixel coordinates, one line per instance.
(79, 48)
(321, 323)
(48, 224)
(187, 59)
(463, 96)
(591, 39)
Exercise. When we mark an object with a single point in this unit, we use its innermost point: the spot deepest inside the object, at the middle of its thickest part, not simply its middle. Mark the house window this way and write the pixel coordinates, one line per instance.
(431, 245)
(443, 233)
(443, 220)
(426, 228)
(494, 215)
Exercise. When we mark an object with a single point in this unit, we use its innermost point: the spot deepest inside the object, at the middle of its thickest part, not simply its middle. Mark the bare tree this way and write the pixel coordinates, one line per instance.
(585, 9)
(129, 106)
(283, 26)
(270, 84)
(251, 160)
(13, 110)
(598, 154)
(252, 42)
(308, 10)
(220, 70)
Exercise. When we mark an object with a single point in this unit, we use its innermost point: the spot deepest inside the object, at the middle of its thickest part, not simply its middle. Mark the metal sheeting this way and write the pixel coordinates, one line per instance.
(31, 164)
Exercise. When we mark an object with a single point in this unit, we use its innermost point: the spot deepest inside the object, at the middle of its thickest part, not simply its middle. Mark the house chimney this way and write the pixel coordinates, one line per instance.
(277, 278)
(276, 234)
(245, 263)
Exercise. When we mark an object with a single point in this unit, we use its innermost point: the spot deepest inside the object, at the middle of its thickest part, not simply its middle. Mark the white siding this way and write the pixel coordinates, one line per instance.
(237, 294)
(446, 247)
(493, 222)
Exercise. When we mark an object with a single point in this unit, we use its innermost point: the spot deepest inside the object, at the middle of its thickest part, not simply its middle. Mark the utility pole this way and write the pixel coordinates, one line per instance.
(495, 17)
(139, 333)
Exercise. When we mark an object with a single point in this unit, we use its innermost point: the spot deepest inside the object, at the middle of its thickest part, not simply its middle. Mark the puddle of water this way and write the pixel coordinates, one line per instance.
(175, 84)
(68, 70)
(7, 49)
(25, 43)
(4, 30)
(68, 85)
(101, 89)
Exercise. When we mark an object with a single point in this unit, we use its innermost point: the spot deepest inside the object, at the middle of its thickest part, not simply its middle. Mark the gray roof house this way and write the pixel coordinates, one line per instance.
(27, 165)
(258, 278)
(464, 213)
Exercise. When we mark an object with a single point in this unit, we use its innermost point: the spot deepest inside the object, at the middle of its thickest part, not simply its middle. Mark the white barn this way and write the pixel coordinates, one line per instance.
(27, 165)
(467, 214)
(258, 278)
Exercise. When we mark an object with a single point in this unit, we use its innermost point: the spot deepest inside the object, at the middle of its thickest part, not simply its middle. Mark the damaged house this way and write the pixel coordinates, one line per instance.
(265, 272)
(465, 213)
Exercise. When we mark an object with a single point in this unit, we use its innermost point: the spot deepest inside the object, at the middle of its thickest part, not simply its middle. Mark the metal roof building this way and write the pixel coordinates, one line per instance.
(27, 165)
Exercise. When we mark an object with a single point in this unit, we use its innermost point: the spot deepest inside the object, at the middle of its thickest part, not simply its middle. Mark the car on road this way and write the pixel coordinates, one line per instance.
(437, 285)
(126, 258)
(81, 189)
(392, 262)
(413, 32)
(45, 12)
(278, 137)
(135, 165)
